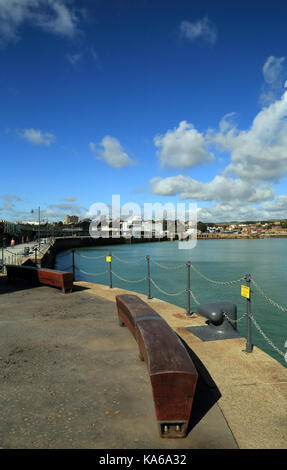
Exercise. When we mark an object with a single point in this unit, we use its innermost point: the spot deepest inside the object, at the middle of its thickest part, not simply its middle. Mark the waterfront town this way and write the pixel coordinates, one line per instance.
(135, 226)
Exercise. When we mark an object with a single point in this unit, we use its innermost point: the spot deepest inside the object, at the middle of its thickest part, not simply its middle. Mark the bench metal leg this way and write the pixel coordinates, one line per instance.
(141, 356)
(121, 323)
(172, 429)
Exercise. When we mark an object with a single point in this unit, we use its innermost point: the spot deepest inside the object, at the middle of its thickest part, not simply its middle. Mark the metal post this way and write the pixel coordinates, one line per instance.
(36, 256)
(110, 270)
(148, 278)
(39, 227)
(249, 345)
(188, 314)
(73, 262)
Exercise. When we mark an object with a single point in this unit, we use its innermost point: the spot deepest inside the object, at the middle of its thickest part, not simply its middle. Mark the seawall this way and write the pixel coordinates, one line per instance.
(68, 243)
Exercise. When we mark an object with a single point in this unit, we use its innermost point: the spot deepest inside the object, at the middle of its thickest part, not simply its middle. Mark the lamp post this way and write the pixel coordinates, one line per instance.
(39, 227)
(32, 212)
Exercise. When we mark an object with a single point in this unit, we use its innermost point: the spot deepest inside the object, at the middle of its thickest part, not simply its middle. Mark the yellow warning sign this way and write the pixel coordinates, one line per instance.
(245, 292)
(108, 259)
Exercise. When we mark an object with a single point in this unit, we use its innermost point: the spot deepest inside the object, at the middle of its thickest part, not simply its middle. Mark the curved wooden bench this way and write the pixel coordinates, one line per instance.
(51, 277)
(172, 373)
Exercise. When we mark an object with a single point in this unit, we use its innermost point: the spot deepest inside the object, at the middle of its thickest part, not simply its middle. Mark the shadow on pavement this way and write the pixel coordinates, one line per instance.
(7, 287)
(206, 392)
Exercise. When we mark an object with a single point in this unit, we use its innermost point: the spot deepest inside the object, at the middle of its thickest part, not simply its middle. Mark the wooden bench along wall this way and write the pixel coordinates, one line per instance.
(172, 373)
(51, 277)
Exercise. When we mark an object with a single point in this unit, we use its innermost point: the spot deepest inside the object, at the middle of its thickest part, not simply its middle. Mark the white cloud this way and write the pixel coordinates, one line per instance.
(258, 153)
(74, 58)
(182, 147)
(257, 161)
(53, 16)
(112, 154)
(221, 188)
(245, 189)
(278, 205)
(56, 210)
(9, 201)
(200, 29)
(272, 69)
(273, 74)
(230, 212)
(38, 137)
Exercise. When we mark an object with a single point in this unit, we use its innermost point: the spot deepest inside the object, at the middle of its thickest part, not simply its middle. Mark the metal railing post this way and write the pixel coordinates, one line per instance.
(110, 270)
(148, 277)
(73, 262)
(249, 345)
(36, 255)
(188, 314)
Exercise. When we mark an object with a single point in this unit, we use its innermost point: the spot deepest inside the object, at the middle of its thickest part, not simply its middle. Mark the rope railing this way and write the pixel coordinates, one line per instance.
(129, 280)
(179, 266)
(222, 283)
(187, 291)
(128, 262)
(275, 304)
(266, 337)
(232, 320)
(92, 274)
(90, 257)
(164, 292)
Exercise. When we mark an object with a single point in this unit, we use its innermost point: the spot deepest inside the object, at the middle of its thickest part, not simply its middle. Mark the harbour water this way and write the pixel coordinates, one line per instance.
(217, 260)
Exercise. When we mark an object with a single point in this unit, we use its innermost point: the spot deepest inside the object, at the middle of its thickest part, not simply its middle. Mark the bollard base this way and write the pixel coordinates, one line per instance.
(214, 333)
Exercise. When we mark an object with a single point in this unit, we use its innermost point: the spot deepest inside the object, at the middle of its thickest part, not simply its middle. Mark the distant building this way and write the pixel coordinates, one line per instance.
(71, 219)
(29, 222)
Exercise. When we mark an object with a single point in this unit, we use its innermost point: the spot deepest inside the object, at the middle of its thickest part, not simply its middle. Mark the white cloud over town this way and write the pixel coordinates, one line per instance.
(38, 137)
(182, 146)
(53, 16)
(274, 73)
(256, 162)
(202, 29)
(113, 154)
(221, 188)
(258, 153)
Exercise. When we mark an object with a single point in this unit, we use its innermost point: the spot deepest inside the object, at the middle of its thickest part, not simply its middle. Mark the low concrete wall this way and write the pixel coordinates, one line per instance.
(68, 243)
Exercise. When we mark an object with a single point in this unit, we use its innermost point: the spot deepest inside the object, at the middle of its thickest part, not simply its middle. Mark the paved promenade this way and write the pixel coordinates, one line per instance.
(71, 378)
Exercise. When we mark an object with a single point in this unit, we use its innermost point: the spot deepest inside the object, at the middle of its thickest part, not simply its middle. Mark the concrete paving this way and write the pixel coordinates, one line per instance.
(71, 377)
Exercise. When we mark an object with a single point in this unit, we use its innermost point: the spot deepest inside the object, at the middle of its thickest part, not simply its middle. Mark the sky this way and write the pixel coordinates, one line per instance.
(156, 101)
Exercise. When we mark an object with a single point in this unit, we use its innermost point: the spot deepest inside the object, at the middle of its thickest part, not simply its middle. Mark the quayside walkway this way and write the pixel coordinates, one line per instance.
(71, 378)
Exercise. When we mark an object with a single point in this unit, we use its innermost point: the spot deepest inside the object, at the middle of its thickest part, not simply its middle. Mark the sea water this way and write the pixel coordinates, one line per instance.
(218, 260)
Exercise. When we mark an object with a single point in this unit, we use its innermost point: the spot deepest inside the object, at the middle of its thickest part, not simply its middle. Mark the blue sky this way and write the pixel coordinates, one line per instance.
(157, 101)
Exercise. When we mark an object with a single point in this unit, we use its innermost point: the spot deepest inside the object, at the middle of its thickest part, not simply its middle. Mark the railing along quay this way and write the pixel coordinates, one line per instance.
(246, 288)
